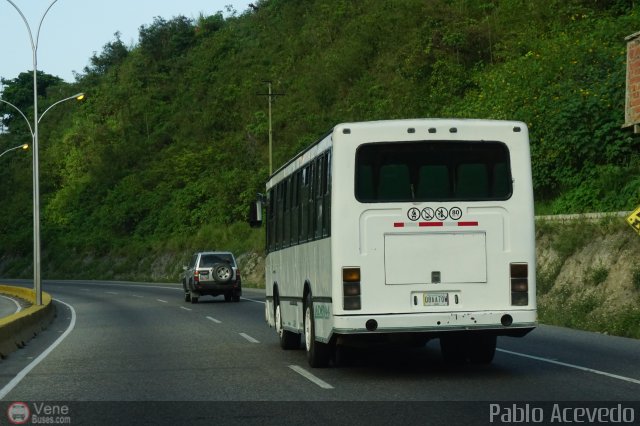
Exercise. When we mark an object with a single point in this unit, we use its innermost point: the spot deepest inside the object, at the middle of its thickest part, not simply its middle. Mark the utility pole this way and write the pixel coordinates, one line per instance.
(271, 95)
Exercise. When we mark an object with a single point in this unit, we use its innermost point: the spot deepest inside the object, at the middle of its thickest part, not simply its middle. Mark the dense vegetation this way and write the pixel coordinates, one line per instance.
(171, 144)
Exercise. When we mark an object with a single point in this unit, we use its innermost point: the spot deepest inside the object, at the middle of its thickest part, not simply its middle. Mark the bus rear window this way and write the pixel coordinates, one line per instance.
(433, 171)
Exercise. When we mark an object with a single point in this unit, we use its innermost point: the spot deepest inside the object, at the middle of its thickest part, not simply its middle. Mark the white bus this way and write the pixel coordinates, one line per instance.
(403, 229)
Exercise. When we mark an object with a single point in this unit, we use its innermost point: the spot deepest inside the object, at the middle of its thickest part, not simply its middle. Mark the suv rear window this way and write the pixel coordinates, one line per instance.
(433, 171)
(208, 260)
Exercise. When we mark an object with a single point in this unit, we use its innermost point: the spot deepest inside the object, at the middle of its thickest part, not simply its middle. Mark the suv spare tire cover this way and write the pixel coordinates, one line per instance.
(222, 272)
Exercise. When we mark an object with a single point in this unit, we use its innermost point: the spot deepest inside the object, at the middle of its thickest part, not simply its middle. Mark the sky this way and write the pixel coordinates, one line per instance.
(73, 30)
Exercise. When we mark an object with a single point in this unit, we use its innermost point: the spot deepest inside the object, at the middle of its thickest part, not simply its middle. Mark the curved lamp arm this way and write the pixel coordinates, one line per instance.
(78, 96)
(21, 113)
(23, 146)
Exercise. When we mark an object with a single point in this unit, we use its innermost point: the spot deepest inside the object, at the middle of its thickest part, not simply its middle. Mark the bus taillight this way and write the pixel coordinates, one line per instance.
(351, 289)
(519, 273)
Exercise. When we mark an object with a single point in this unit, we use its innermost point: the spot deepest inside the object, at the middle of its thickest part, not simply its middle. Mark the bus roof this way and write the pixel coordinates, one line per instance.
(410, 124)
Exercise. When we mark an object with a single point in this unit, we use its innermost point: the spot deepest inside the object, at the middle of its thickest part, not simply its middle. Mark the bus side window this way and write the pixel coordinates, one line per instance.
(286, 234)
(307, 207)
(295, 208)
(313, 171)
(270, 221)
(472, 181)
(395, 184)
(279, 215)
(317, 184)
(433, 183)
(303, 205)
(325, 194)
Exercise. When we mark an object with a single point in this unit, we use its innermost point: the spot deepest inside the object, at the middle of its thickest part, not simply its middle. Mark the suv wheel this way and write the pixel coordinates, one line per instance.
(187, 294)
(222, 273)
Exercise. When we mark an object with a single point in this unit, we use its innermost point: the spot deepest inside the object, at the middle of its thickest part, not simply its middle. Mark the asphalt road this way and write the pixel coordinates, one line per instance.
(127, 351)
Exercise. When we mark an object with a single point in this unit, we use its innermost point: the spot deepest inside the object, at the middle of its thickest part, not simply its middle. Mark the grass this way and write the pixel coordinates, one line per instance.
(545, 279)
(596, 276)
(635, 278)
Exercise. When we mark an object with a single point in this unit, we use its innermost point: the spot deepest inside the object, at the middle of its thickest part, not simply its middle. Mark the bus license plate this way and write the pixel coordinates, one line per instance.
(436, 299)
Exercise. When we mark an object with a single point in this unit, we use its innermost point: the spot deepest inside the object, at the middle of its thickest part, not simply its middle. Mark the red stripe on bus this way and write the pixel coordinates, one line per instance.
(398, 225)
(431, 224)
(467, 223)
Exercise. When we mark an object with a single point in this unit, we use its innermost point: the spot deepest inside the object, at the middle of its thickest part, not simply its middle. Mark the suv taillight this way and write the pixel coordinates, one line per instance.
(196, 276)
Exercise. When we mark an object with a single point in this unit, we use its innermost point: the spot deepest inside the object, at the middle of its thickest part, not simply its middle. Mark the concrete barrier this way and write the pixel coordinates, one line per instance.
(585, 217)
(17, 329)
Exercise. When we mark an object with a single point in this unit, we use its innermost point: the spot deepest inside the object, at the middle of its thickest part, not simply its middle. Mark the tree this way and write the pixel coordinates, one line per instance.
(163, 40)
(113, 54)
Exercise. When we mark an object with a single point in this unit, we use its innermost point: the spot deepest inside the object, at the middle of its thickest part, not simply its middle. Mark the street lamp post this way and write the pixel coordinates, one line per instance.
(37, 282)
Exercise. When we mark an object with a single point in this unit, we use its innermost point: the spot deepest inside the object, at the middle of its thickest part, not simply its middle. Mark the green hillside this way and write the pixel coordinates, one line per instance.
(164, 155)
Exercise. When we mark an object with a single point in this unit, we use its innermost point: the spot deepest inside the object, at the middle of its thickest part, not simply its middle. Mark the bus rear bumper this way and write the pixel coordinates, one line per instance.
(501, 323)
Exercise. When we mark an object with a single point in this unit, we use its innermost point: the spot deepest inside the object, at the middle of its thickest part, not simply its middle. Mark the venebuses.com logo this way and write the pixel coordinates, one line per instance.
(18, 413)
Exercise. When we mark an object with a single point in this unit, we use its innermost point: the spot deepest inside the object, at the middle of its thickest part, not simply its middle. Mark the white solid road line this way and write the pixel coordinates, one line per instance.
(304, 373)
(22, 374)
(18, 307)
(577, 367)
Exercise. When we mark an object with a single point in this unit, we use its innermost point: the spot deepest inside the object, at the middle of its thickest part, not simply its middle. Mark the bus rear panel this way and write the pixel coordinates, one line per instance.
(439, 228)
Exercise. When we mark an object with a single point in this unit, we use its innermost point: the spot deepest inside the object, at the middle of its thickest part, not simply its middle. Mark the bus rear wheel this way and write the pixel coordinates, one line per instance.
(318, 353)
(288, 339)
(482, 349)
(474, 348)
(453, 349)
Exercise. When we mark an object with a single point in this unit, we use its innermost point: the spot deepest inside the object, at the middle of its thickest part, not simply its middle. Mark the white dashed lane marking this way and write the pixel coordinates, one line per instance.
(249, 338)
(214, 320)
(304, 373)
